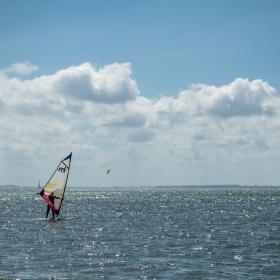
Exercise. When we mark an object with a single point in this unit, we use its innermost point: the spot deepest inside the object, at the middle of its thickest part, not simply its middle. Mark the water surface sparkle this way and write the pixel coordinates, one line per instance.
(144, 233)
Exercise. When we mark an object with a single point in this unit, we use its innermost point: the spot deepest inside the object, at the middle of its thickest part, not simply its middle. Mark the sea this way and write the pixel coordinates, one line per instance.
(142, 233)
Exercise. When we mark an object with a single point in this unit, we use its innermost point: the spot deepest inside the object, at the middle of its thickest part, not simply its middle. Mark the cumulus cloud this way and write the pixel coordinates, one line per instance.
(110, 84)
(100, 115)
(239, 98)
(22, 68)
(141, 135)
(127, 120)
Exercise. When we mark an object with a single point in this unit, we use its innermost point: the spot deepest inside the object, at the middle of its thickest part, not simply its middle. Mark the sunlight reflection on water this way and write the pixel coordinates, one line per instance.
(142, 234)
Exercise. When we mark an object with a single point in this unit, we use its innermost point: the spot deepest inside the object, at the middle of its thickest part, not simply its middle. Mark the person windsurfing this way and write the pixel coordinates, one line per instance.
(56, 185)
(51, 197)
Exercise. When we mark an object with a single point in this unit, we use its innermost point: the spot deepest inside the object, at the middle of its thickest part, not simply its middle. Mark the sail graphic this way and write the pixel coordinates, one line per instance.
(57, 184)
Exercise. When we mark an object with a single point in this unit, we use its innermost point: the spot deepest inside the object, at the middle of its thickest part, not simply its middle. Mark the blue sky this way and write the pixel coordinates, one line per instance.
(171, 44)
(127, 100)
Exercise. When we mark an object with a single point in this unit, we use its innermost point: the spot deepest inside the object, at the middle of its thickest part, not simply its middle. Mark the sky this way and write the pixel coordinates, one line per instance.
(161, 92)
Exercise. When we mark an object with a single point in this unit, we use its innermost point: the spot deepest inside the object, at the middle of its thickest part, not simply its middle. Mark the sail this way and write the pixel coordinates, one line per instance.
(57, 184)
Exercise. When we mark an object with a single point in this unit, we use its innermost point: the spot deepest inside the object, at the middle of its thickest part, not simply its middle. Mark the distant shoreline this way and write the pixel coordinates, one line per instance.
(158, 187)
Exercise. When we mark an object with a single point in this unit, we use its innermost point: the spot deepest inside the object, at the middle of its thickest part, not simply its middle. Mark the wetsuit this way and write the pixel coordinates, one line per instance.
(51, 198)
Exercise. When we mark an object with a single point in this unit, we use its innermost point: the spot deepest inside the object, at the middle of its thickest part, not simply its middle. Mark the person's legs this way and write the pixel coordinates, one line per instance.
(53, 214)
(48, 210)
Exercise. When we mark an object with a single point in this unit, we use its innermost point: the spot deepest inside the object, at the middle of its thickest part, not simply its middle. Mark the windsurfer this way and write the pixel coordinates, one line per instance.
(51, 197)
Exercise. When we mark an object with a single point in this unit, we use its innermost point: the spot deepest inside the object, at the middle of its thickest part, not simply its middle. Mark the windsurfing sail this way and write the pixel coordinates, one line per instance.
(108, 171)
(57, 184)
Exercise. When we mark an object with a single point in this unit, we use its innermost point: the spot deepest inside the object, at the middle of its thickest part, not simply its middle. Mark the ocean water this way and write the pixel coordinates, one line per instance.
(149, 233)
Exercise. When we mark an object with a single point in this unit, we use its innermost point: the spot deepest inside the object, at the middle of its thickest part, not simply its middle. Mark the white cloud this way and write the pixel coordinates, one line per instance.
(22, 68)
(100, 115)
(110, 84)
(142, 135)
(127, 120)
(239, 98)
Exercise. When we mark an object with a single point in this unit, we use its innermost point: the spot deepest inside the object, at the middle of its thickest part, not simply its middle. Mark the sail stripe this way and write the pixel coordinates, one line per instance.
(65, 164)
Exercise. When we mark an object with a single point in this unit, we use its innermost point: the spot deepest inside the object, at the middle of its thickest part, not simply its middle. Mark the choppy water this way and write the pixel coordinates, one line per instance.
(143, 234)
